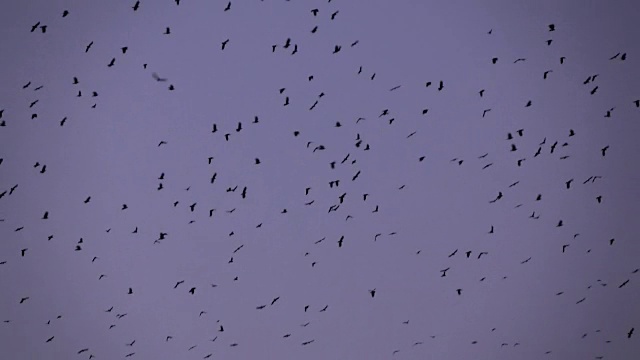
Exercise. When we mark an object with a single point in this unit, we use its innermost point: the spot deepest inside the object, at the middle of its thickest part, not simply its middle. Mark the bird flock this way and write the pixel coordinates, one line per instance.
(274, 179)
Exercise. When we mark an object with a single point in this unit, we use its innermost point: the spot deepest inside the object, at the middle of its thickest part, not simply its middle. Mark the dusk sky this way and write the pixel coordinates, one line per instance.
(343, 179)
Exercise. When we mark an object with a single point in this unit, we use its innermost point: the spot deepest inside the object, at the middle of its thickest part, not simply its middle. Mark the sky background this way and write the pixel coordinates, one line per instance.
(520, 299)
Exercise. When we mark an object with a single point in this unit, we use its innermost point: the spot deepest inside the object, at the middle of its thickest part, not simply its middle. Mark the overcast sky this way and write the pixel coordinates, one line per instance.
(500, 172)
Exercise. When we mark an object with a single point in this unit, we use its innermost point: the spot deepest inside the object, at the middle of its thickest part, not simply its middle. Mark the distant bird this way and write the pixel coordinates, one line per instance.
(630, 333)
(568, 183)
(224, 44)
(274, 300)
(130, 291)
(192, 291)
(562, 58)
(157, 78)
(178, 283)
(336, 49)
(372, 292)
(228, 7)
(552, 27)
(136, 6)
(604, 150)
(49, 339)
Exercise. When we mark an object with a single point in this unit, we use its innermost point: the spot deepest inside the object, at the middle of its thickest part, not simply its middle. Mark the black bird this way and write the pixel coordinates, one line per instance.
(112, 62)
(594, 90)
(494, 60)
(334, 15)
(224, 43)
(459, 291)
(552, 27)
(34, 27)
(124, 49)
(568, 183)
(192, 291)
(562, 58)
(49, 339)
(178, 283)
(274, 300)
(314, 12)
(228, 6)
(441, 86)
(136, 6)
(130, 291)
(604, 150)
(157, 78)
(637, 102)
(630, 333)
(86, 50)
(336, 48)
(372, 292)
(340, 241)
(45, 216)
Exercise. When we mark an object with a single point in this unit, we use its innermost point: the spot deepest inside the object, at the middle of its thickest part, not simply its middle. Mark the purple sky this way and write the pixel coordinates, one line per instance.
(519, 300)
